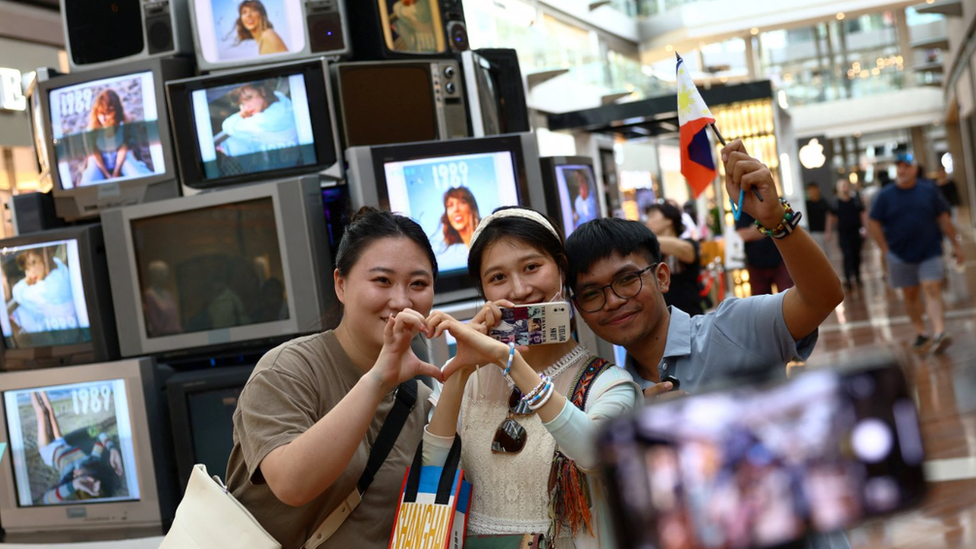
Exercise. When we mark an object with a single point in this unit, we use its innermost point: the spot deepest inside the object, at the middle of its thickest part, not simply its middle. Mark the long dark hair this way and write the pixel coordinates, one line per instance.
(451, 236)
(242, 33)
(671, 213)
(520, 229)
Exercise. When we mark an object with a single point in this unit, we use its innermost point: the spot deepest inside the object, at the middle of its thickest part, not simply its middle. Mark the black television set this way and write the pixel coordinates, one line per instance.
(57, 299)
(394, 29)
(495, 91)
(201, 411)
(88, 453)
(110, 136)
(100, 33)
(447, 187)
(230, 34)
(238, 269)
(401, 101)
(572, 192)
(258, 124)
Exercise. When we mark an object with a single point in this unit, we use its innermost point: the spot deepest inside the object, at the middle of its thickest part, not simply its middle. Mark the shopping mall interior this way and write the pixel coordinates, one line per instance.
(205, 231)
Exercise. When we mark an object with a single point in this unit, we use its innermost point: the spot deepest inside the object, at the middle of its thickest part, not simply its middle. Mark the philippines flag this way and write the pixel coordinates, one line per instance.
(693, 118)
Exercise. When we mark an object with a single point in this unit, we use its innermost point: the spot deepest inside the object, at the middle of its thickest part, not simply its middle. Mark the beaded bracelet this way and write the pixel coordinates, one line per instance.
(786, 227)
(538, 388)
(543, 399)
(546, 388)
(511, 357)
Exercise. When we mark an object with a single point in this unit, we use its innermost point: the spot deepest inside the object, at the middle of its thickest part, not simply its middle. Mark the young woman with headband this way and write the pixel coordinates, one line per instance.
(526, 446)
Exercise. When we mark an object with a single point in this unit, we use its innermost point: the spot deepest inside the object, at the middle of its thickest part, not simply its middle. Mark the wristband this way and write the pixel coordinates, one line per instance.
(786, 227)
(511, 357)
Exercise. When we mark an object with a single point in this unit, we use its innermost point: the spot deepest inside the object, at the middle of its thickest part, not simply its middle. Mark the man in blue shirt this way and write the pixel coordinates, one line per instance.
(907, 221)
(618, 281)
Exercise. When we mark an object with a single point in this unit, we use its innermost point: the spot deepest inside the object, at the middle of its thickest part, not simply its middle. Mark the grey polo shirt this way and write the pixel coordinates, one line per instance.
(742, 338)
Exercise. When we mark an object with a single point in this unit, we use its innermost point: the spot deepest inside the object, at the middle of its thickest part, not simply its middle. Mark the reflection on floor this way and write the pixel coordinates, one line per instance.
(873, 316)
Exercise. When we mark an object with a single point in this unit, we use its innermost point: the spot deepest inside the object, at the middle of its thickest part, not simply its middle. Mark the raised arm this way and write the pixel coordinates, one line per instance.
(817, 290)
(677, 247)
(301, 470)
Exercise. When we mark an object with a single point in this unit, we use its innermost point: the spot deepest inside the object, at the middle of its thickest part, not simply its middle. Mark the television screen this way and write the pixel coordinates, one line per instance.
(210, 268)
(231, 30)
(577, 196)
(71, 442)
(252, 127)
(448, 196)
(412, 26)
(336, 207)
(106, 130)
(44, 295)
(371, 118)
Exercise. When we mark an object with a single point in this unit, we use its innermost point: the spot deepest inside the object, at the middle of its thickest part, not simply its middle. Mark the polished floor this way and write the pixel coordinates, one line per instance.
(945, 386)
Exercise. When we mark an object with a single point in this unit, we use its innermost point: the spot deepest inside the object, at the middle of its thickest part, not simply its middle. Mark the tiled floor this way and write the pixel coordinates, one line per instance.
(945, 385)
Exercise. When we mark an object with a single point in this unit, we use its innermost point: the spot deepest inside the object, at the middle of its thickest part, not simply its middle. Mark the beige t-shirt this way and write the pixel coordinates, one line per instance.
(292, 387)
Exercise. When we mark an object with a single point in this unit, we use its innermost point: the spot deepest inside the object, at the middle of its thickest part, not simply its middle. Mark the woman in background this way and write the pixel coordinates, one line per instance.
(252, 24)
(109, 153)
(851, 221)
(682, 255)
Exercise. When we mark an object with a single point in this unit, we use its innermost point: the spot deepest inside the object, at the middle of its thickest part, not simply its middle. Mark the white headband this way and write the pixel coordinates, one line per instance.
(524, 213)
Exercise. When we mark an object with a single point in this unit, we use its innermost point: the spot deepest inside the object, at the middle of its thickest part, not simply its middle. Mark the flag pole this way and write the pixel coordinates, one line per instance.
(721, 139)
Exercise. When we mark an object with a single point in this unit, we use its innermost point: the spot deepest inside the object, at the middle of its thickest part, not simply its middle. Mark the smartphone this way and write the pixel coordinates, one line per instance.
(763, 467)
(536, 324)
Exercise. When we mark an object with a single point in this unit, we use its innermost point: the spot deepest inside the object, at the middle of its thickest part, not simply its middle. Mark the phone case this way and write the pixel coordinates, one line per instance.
(536, 324)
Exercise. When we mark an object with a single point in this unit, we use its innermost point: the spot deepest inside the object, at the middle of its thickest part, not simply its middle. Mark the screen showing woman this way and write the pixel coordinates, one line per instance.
(106, 130)
(44, 296)
(230, 30)
(449, 195)
(72, 443)
(254, 126)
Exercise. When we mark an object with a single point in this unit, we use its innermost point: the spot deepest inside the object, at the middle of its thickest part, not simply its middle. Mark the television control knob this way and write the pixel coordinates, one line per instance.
(450, 87)
(449, 72)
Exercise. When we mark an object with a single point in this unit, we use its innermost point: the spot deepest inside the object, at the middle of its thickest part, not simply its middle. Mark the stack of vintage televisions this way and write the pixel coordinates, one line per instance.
(203, 164)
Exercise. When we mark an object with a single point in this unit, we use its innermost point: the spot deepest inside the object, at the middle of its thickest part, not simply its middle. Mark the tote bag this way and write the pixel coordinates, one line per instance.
(434, 501)
(209, 517)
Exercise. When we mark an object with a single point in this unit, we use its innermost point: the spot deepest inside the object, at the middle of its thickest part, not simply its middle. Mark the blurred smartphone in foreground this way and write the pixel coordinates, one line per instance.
(760, 467)
(536, 324)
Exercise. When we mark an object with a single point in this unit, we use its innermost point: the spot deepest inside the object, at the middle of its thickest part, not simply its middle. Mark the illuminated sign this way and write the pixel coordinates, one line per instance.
(11, 91)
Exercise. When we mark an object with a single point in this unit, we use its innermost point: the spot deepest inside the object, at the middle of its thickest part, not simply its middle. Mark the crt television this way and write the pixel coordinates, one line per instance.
(201, 409)
(395, 29)
(244, 33)
(57, 299)
(101, 33)
(254, 125)
(447, 187)
(220, 270)
(572, 193)
(87, 453)
(401, 101)
(495, 92)
(110, 134)
(42, 146)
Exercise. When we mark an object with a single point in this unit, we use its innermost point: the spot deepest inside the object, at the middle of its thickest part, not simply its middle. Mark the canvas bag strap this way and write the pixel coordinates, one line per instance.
(406, 397)
(448, 473)
(584, 381)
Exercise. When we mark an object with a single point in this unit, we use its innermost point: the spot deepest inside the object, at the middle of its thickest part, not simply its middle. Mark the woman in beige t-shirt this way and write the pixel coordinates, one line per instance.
(312, 409)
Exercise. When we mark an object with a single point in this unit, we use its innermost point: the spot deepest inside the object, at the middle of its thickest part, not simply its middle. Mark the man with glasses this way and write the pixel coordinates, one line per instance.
(618, 281)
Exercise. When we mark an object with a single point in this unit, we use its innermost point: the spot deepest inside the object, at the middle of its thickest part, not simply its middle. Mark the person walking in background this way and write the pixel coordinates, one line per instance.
(682, 255)
(851, 219)
(763, 260)
(908, 220)
(817, 210)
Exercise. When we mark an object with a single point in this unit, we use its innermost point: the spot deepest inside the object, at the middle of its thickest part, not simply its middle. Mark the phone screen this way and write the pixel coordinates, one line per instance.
(759, 468)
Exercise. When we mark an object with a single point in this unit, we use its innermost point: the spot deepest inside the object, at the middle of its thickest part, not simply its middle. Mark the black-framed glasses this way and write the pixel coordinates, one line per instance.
(624, 286)
(510, 436)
